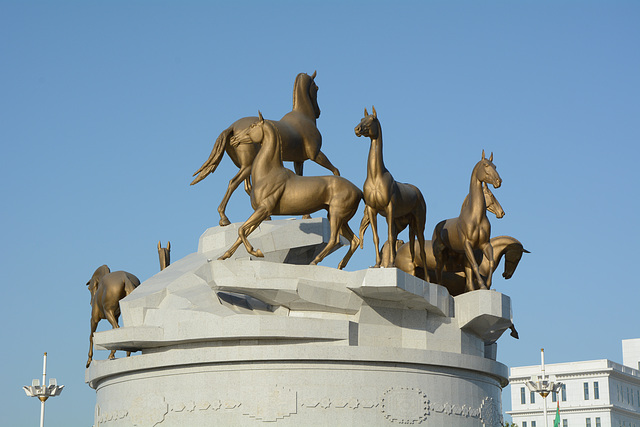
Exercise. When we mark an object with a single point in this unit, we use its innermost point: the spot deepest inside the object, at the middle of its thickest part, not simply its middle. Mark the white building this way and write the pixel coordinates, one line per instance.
(596, 393)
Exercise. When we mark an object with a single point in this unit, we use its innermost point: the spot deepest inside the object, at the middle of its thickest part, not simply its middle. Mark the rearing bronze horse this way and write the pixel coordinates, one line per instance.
(471, 230)
(301, 141)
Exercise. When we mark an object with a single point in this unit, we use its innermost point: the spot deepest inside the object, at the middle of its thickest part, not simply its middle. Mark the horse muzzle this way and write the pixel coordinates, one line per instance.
(241, 138)
(358, 130)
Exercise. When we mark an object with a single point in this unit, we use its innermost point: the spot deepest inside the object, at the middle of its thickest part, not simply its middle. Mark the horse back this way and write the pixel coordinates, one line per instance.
(309, 194)
(409, 199)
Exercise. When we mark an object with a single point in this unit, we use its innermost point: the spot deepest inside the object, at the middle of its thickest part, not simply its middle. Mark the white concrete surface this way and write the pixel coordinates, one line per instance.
(244, 341)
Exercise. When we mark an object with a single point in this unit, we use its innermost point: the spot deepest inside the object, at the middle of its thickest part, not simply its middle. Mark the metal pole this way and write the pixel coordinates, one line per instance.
(544, 398)
(44, 384)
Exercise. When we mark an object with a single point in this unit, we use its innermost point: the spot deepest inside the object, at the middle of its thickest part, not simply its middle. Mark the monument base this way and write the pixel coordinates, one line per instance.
(241, 342)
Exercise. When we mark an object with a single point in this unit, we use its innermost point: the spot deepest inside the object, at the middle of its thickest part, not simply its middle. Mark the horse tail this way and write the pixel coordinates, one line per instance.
(213, 161)
(130, 283)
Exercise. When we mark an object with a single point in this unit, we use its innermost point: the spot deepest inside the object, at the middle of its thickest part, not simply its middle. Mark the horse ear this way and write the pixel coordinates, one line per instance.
(313, 76)
(168, 245)
(366, 113)
(375, 115)
(491, 157)
(158, 244)
(260, 116)
(483, 154)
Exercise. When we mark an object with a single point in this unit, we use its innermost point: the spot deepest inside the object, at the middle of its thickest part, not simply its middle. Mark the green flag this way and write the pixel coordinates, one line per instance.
(556, 422)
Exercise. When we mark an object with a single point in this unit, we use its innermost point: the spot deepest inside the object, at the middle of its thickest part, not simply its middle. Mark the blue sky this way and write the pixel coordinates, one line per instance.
(107, 108)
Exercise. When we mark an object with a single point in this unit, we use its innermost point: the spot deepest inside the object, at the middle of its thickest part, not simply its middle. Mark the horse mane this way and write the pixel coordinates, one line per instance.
(277, 134)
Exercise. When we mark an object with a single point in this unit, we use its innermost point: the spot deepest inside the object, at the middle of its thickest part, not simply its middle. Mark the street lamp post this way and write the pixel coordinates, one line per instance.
(543, 385)
(43, 392)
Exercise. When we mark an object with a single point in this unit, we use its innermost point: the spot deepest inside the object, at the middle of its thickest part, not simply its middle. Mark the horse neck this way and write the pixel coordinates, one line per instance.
(475, 203)
(163, 253)
(500, 245)
(302, 102)
(269, 156)
(375, 162)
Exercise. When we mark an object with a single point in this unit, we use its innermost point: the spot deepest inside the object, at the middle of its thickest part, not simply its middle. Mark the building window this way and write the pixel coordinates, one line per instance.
(533, 397)
(588, 422)
(618, 388)
(524, 424)
(523, 396)
(564, 392)
(565, 423)
(596, 390)
(554, 396)
(533, 424)
(586, 391)
(598, 422)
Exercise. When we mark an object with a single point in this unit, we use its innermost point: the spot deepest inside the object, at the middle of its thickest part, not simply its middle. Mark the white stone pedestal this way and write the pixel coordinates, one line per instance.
(244, 342)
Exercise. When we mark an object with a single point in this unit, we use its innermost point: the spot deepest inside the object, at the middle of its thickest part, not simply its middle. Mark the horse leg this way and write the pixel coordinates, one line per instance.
(298, 167)
(94, 325)
(391, 237)
(420, 234)
(468, 277)
(471, 261)
(354, 243)
(242, 175)
(113, 320)
(438, 253)
(251, 224)
(487, 250)
(364, 224)
(373, 218)
(334, 238)
(322, 160)
(247, 185)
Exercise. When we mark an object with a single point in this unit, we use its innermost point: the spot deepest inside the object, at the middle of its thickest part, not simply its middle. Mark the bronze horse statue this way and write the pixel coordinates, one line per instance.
(453, 277)
(164, 255)
(493, 206)
(401, 204)
(471, 230)
(415, 265)
(278, 191)
(107, 289)
(301, 141)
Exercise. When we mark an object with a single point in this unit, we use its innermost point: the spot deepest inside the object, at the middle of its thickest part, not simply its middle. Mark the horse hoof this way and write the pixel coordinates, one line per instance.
(224, 222)
(259, 253)
(306, 216)
(88, 363)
